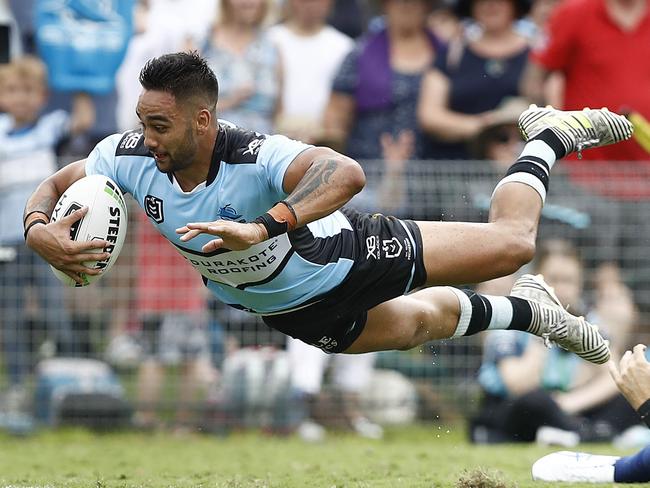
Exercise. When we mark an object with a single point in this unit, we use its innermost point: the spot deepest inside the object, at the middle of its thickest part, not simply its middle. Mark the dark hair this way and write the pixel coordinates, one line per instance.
(463, 8)
(478, 146)
(184, 75)
(430, 3)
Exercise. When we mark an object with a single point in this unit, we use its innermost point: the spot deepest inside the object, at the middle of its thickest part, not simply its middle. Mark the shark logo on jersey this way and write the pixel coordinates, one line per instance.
(228, 213)
(153, 207)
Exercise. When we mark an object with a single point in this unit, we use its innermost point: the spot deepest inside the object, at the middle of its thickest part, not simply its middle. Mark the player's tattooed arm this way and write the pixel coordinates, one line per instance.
(42, 206)
(328, 182)
(315, 181)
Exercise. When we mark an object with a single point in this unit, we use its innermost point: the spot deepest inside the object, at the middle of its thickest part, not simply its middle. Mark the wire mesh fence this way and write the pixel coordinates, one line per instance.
(148, 346)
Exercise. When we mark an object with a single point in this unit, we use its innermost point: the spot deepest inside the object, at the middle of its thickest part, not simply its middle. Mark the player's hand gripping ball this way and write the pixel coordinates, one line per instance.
(106, 220)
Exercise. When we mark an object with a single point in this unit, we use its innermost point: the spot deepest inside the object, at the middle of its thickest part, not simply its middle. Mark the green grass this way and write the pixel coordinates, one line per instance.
(421, 456)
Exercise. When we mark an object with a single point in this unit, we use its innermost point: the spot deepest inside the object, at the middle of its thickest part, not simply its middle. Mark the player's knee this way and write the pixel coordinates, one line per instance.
(519, 250)
(525, 251)
(407, 344)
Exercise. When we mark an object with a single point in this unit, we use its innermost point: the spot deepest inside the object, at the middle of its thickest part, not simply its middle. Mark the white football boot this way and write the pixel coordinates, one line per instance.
(555, 325)
(575, 467)
(579, 129)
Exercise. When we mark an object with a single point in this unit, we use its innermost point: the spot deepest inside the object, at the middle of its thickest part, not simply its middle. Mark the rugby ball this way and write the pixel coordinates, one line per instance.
(106, 220)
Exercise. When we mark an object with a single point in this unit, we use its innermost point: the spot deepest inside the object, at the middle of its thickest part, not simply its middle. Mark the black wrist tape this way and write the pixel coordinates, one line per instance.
(644, 412)
(32, 224)
(272, 226)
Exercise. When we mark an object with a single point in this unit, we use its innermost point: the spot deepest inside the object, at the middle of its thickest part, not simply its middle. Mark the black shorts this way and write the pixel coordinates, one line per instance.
(388, 263)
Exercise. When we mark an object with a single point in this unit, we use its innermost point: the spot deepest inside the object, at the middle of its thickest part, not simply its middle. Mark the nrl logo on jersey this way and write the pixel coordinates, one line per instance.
(153, 207)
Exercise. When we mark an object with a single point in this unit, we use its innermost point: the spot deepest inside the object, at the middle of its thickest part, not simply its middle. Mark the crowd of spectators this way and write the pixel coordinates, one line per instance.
(535, 393)
(410, 88)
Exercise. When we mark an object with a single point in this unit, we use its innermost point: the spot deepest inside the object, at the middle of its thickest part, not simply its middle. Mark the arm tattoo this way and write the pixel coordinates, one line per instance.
(45, 205)
(315, 179)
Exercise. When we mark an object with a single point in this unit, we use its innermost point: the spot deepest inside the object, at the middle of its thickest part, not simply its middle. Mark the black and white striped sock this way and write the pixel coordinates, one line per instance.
(552, 139)
(533, 167)
(486, 312)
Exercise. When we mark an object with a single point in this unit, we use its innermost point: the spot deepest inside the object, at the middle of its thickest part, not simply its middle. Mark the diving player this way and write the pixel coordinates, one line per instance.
(262, 219)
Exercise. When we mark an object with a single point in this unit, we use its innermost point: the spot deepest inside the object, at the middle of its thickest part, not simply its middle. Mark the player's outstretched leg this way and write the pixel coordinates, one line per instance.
(442, 312)
(551, 135)
(459, 252)
(531, 307)
(478, 252)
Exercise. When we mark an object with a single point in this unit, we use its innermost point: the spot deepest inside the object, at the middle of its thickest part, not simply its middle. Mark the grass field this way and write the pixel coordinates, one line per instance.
(423, 456)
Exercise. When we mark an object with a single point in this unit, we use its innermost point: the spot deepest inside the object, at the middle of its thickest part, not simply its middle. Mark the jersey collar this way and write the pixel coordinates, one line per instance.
(218, 153)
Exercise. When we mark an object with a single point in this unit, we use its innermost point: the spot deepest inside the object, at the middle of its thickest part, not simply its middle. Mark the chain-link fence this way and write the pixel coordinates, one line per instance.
(147, 344)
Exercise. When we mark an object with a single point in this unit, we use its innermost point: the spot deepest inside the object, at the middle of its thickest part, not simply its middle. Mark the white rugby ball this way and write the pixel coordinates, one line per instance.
(106, 220)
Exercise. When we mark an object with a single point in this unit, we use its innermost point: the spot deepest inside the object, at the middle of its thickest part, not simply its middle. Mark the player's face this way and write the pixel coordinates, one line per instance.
(168, 130)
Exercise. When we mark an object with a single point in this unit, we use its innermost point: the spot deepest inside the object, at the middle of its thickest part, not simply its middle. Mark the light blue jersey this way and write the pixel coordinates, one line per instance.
(244, 181)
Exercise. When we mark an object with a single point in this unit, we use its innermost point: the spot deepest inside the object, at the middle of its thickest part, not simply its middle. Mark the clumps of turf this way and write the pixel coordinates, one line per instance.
(482, 478)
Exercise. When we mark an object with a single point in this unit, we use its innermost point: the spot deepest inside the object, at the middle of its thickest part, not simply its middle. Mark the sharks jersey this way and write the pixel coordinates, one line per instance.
(244, 181)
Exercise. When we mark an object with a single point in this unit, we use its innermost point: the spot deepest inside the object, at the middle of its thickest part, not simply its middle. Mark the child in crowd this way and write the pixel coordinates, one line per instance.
(29, 139)
(549, 395)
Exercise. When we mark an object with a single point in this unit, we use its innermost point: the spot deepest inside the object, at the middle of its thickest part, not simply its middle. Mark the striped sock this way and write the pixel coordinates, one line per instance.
(533, 167)
(486, 312)
(553, 141)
